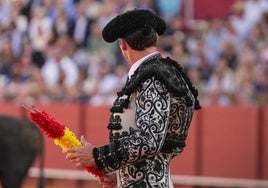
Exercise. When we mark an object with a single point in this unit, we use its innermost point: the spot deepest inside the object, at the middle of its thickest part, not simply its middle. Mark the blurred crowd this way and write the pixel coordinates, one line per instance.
(52, 50)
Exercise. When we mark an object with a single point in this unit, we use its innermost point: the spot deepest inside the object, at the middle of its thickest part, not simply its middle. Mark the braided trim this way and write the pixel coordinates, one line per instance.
(167, 71)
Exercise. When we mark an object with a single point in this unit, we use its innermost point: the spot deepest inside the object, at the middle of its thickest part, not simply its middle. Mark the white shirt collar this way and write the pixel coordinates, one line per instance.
(134, 67)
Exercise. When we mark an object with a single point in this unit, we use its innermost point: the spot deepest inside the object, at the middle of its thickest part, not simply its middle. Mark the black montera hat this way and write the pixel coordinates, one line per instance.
(131, 21)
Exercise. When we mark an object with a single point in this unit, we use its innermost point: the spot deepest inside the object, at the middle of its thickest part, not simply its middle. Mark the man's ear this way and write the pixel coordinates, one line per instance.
(123, 44)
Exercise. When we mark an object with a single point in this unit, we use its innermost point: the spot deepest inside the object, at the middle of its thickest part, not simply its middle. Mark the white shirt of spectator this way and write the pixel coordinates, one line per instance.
(51, 72)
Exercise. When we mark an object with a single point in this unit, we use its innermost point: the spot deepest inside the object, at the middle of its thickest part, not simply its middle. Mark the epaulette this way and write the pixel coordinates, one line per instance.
(168, 72)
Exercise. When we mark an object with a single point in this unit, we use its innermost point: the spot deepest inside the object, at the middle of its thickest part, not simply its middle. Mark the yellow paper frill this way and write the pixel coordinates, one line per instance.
(68, 140)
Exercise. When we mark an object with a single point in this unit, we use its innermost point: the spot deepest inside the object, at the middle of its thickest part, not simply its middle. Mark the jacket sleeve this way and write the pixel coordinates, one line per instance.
(152, 117)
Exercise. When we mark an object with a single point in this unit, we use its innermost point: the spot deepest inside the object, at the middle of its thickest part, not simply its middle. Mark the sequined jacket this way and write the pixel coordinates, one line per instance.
(148, 125)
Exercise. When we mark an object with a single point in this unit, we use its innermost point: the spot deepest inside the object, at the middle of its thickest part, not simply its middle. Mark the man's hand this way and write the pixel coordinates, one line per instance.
(81, 156)
(109, 180)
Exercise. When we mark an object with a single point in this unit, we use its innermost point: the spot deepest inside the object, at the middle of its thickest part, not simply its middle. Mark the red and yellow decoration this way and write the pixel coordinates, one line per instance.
(61, 134)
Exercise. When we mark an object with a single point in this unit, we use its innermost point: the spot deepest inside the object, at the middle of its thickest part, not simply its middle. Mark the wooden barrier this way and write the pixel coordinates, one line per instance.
(227, 142)
(177, 180)
(264, 144)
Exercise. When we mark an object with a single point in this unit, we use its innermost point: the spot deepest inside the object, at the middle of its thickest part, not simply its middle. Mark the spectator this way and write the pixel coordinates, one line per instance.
(179, 53)
(254, 10)
(220, 88)
(263, 24)
(109, 81)
(61, 22)
(16, 38)
(147, 4)
(230, 54)
(40, 29)
(213, 41)
(109, 9)
(260, 86)
(26, 85)
(93, 9)
(27, 27)
(5, 10)
(194, 75)
(246, 14)
(7, 59)
(244, 76)
(168, 9)
(80, 27)
(97, 45)
(59, 71)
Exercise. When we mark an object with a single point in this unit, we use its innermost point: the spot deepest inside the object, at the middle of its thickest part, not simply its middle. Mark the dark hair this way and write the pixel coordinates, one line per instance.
(142, 39)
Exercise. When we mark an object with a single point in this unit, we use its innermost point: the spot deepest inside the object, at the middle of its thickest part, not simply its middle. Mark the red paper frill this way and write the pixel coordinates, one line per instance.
(95, 171)
(47, 124)
(55, 130)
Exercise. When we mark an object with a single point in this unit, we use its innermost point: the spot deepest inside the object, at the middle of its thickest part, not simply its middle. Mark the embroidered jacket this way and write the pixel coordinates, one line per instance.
(148, 125)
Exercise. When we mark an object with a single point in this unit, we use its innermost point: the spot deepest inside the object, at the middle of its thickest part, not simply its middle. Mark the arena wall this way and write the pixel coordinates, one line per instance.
(226, 142)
